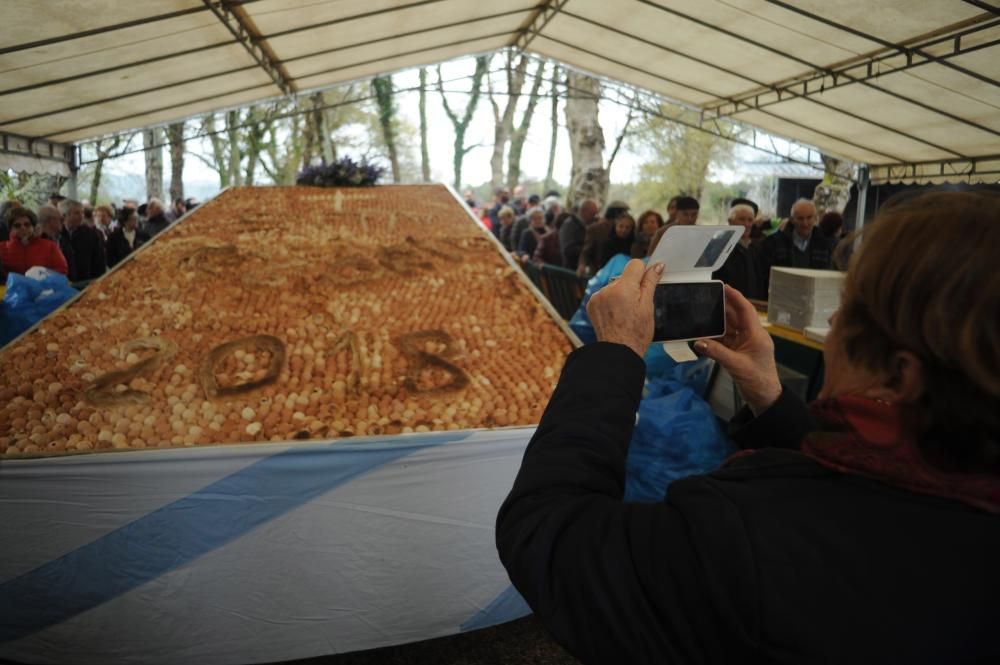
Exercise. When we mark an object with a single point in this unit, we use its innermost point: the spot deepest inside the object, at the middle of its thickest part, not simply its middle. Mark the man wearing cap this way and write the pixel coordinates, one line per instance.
(596, 237)
(742, 270)
(686, 215)
(800, 244)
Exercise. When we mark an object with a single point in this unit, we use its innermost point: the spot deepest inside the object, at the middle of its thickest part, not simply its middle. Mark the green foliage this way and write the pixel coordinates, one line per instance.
(678, 158)
(31, 189)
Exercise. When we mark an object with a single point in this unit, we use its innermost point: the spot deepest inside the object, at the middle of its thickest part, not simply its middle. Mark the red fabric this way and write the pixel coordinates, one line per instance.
(38, 252)
(867, 438)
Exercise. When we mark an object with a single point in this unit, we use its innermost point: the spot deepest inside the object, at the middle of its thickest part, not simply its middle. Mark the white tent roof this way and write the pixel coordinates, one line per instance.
(909, 88)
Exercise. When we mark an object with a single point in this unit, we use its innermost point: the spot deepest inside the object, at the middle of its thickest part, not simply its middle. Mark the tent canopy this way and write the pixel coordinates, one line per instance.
(912, 92)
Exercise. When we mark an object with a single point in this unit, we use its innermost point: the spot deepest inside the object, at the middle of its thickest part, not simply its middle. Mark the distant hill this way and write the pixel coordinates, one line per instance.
(118, 186)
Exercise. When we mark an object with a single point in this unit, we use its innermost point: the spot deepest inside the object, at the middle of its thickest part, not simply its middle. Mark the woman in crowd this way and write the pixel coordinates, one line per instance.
(864, 529)
(548, 249)
(536, 229)
(649, 223)
(25, 249)
(620, 239)
(126, 238)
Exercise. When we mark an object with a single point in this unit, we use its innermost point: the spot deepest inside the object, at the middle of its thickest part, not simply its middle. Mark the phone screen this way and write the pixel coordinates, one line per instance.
(688, 310)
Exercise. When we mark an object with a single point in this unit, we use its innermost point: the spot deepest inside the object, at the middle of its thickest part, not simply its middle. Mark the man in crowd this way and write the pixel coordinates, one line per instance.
(685, 214)
(88, 248)
(177, 210)
(742, 269)
(800, 244)
(574, 230)
(592, 256)
(520, 202)
(50, 227)
(156, 218)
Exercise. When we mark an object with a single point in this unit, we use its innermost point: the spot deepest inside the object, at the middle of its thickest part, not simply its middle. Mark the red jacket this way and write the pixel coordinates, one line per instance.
(16, 257)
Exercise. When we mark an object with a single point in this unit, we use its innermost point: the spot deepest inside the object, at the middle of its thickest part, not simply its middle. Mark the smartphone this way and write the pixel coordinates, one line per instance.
(684, 311)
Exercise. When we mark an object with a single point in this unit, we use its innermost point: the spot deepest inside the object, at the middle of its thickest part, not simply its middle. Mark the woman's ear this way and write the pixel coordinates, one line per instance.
(903, 383)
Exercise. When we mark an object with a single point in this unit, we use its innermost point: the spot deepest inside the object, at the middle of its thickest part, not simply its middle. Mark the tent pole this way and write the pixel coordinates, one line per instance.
(863, 181)
(74, 169)
(859, 215)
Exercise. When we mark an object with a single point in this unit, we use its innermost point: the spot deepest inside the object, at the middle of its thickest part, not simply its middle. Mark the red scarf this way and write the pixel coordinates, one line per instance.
(863, 437)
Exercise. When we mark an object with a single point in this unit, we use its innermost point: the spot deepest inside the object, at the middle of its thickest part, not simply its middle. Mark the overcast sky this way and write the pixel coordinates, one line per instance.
(476, 167)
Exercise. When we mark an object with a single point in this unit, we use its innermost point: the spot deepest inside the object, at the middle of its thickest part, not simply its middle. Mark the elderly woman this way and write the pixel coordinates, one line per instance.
(536, 228)
(26, 249)
(864, 529)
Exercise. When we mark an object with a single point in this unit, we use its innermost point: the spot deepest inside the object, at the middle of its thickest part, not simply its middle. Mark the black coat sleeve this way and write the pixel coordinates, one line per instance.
(616, 582)
(783, 425)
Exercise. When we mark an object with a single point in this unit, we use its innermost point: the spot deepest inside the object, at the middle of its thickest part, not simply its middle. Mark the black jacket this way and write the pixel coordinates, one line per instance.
(743, 271)
(118, 247)
(571, 235)
(87, 245)
(772, 559)
(156, 225)
(780, 250)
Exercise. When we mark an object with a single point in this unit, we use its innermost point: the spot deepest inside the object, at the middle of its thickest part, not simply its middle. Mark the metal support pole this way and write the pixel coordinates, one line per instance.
(74, 169)
(859, 215)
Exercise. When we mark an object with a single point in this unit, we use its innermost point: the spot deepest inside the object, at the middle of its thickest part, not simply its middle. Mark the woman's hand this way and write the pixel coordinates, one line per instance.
(622, 312)
(747, 353)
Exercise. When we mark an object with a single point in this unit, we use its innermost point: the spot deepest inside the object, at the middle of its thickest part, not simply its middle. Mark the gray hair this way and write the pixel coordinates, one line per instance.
(47, 212)
(66, 205)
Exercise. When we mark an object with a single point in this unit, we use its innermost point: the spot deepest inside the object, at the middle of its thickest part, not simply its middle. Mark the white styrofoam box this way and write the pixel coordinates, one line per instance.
(802, 297)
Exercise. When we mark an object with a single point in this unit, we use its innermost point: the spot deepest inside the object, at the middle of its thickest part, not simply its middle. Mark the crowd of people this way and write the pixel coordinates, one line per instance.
(76, 239)
(584, 238)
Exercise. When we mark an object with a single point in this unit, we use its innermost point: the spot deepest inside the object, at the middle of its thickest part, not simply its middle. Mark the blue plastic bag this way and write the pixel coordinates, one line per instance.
(28, 301)
(677, 434)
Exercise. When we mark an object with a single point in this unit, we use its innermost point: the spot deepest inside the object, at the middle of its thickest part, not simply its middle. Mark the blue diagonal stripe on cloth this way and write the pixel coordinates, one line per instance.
(509, 605)
(184, 530)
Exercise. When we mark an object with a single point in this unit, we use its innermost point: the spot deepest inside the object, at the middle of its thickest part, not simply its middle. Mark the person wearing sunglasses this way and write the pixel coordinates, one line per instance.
(25, 249)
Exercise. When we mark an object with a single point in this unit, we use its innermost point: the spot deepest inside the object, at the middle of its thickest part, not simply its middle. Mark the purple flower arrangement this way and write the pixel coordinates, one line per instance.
(343, 172)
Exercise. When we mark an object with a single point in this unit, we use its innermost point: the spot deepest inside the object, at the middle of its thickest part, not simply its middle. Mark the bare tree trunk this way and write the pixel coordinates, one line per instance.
(462, 124)
(154, 162)
(425, 161)
(554, 137)
(503, 123)
(219, 162)
(235, 152)
(589, 178)
(520, 134)
(382, 85)
(103, 152)
(834, 191)
(175, 134)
